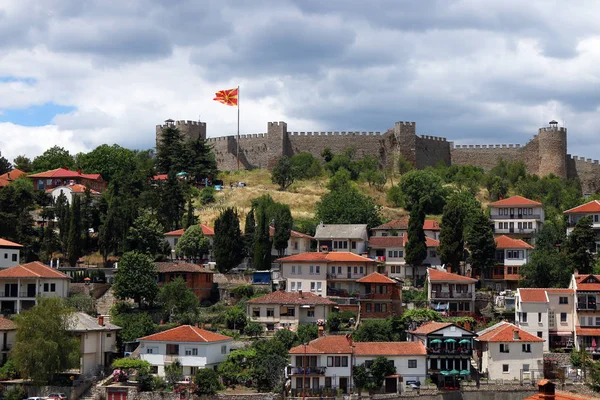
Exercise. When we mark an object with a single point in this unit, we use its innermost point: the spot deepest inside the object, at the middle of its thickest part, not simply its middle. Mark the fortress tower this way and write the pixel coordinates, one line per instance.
(552, 142)
(406, 141)
(189, 129)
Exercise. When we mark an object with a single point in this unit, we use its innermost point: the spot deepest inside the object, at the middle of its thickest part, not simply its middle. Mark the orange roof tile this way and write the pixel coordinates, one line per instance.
(64, 173)
(589, 207)
(587, 282)
(334, 256)
(186, 334)
(442, 276)
(7, 325)
(505, 242)
(401, 224)
(430, 327)
(505, 332)
(32, 270)
(206, 231)
(334, 344)
(375, 277)
(283, 297)
(430, 242)
(533, 295)
(431, 225)
(7, 178)
(8, 243)
(587, 331)
(389, 348)
(160, 177)
(515, 201)
(293, 234)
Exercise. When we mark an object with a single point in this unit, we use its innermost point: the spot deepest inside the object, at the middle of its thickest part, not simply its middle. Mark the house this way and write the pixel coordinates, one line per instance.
(173, 237)
(23, 284)
(547, 391)
(548, 313)
(8, 330)
(380, 296)
(590, 209)
(342, 237)
(399, 227)
(507, 352)
(9, 177)
(587, 329)
(281, 309)
(196, 277)
(194, 347)
(9, 253)
(98, 342)
(391, 249)
(325, 273)
(511, 255)
(298, 243)
(70, 190)
(62, 177)
(449, 348)
(324, 365)
(450, 293)
(517, 216)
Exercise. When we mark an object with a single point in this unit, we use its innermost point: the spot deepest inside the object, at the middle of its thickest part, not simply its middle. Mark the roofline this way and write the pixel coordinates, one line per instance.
(175, 341)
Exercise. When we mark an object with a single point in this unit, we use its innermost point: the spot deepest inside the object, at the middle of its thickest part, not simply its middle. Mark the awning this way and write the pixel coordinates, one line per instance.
(450, 341)
(465, 341)
(560, 333)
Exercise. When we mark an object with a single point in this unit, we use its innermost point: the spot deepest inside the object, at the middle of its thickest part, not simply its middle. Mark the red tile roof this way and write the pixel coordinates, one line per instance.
(587, 331)
(75, 188)
(431, 225)
(430, 242)
(587, 282)
(538, 295)
(293, 234)
(8, 243)
(283, 297)
(160, 177)
(389, 348)
(164, 267)
(186, 334)
(334, 256)
(375, 277)
(505, 242)
(7, 325)
(334, 344)
(430, 327)
(32, 270)
(436, 275)
(65, 174)
(206, 231)
(387, 241)
(505, 332)
(515, 201)
(7, 178)
(589, 207)
(402, 225)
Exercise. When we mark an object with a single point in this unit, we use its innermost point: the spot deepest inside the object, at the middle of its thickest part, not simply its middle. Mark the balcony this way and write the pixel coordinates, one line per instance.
(309, 370)
(451, 295)
(517, 217)
(586, 306)
(376, 296)
(344, 276)
(449, 352)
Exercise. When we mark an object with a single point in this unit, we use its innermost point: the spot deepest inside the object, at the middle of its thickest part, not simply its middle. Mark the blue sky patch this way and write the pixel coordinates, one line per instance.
(8, 79)
(35, 115)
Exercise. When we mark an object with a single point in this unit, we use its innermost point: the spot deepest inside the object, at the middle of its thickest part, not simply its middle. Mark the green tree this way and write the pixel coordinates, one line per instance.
(63, 214)
(22, 163)
(423, 187)
(237, 367)
(174, 372)
(171, 202)
(74, 243)
(497, 187)
(361, 377)
(133, 325)
(271, 359)
(381, 368)
(228, 243)
(17, 201)
(199, 160)
(43, 344)
(207, 195)
(416, 248)
(170, 151)
(207, 382)
(481, 244)
(547, 268)
(283, 173)
(82, 302)
(53, 158)
(283, 222)
(287, 337)
(452, 245)
(136, 278)
(394, 196)
(327, 154)
(348, 206)
(107, 161)
(376, 331)
(5, 165)
(190, 218)
(146, 235)
(262, 240)
(249, 233)
(193, 244)
(177, 300)
(236, 318)
(254, 329)
(581, 245)
(306, 166)
(404, 165)
(307, 332)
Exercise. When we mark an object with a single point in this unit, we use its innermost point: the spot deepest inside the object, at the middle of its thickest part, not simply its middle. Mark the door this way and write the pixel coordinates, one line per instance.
(349, 273)
(31, 290)
(391, 385)
(343, 385)
(117, 394)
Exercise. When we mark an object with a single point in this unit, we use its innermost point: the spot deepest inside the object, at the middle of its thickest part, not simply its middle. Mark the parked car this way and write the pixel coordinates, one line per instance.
(56, 396)
(241, 184)
(35, 398)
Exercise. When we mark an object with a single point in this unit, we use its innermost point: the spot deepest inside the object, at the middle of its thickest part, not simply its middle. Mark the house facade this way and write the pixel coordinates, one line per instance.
(507, 352)
(324, 365)
(342, 237)
(97, 340)
(511, 255)
(517, 217)
(281, 309)
(195, 348)
(197, 278)
(449, 293)
(547, 313)
(10, 253)
(21, 285)
(8, 332)
(298, 243)
(399, 227)
(71, 190)
(63, 177)
(587, 330)
(590, 209)
(380, 296)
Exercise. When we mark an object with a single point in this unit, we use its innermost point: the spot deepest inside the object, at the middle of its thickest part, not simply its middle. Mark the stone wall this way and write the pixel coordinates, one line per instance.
(430, 150)
(587, 170)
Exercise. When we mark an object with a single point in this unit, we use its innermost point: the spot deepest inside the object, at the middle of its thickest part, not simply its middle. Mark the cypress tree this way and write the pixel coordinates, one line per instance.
(190, 219)
(282, 217)
(249, 231)
(169, 151)
(62, 212)
(228, 244)
(452, 245)
(416, 249)
(481, 244)
(74, 237)
(262, 241)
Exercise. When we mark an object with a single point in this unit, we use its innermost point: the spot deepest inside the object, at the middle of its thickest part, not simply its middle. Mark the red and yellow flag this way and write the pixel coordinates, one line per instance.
(228, 97)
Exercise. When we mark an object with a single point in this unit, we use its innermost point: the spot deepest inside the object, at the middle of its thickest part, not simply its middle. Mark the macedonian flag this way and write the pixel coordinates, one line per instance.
(228, 97)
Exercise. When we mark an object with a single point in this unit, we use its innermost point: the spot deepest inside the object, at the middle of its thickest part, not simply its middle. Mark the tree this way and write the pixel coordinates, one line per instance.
(170, 151)
(146, 235)
(307, 332)
(481, 244)
(287, 337)
(190, 218)
(348, 206)
(171, 202)
(249, 233)
(22, 163)
(63, 214)
(404, 165)
(327, 154)
(262, 241)
(306, 166)
(269, 363)
(199, 160)
(237, 367)
(82, 302)
(136, 278)
(452, 245)
(236, 318)
(74, 243)
(581, 245)
(228, 244)
(174, 372)
(394, 196)
(207, 382)
(254, 329)
(425, 188)
(497, 187)
(177, 300)
(416, 248)
(108, 161)
(193, 244)
(207, 195)
(4, 165)
(133, 325)
(53, 158)
(283, 173)
(376, 331)
(43, 344)
(17, 201)
(283, 222)
(361, 377)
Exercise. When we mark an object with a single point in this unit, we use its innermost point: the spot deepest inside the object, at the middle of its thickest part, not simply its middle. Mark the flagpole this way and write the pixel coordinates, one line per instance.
(238, 130)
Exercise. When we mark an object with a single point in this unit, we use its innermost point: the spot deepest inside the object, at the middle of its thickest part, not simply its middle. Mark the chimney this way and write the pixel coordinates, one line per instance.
(449, 269)
(349, 339)
(8, 176)
(101, 320)
(202, 327)
(79, 171)
(321, 331)
(299, 294)
(546, 390)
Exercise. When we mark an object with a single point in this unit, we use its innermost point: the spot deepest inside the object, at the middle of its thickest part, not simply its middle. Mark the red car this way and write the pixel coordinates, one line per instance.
(57, 396)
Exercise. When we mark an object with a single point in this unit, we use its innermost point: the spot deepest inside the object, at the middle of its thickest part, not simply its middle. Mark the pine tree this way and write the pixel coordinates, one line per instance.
(416, 248)
(228, 243)
(452, 245)
(169, 151)
(262, 241)
(171, 202)
(249, 231)
(581, 246)
(199, 160)
(481, 244)
(74, 242)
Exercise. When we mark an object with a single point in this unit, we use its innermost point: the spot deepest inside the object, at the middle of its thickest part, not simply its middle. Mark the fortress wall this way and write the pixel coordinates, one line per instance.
(430, 150)
(484, 156)
(364, 143)
(587, 170)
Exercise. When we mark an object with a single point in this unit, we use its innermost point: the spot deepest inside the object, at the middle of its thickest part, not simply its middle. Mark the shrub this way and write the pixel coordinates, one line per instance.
(207, 195)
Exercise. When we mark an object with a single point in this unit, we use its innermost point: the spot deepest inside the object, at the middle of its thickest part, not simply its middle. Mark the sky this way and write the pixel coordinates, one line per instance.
(80, 73)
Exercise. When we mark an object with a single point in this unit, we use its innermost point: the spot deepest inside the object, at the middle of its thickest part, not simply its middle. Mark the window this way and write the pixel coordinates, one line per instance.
(291, 312)
(339, 270)
(333, 270)
(313, 286)
(191, 351)
(400, 253)
(563, 317)
(412, 363)
(293, 270)
(524, 317)
(362, 270)
(46, 287)
(337, 361)
(154, 369)
(526, 348)
(539, 334)
(368, 307)
(432, 254)
(172, 349)
(327, 381)
(53, 287)
(293, 286)
(390, 252)
(563, 300)
(14, 257)
(270, 312)
(551, 318)
(310, 313)
(317, 269)
(525, 367)
(355, 270)
(255, 312)
(344, 361)
(539, 318)
(224, 349)
(330, 361)
(295, 245)
(319, 287)
(150, 350)
(109, 335)
(299, 269)
(529, 225)
(503, 348)
(353, 245)
(299, 285)
(311, 270)
(505, 368)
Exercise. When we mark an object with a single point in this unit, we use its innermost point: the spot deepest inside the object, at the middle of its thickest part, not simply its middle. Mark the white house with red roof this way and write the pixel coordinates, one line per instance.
(298, 243)
(548, 313)
(70, 190)
(324, 365)
(380, 296)
(587, 294)
(62, 177)
(173, 237)
(590, 209)
(8, 330)
(517, 216)
(450, 293)
(511, 255)
(21, 285)
(9, 253)
(281, 309)
(399, 227)
(194, 347)
(506, 351)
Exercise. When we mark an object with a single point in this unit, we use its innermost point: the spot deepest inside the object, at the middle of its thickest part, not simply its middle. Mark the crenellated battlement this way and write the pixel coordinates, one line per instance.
(582, 159)
(406, 123)
(342, 133)
(435, 138)
(551, 129)
(487, 146)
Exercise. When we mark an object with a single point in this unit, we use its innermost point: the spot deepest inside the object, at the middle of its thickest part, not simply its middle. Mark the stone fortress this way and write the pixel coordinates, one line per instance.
(545, 153)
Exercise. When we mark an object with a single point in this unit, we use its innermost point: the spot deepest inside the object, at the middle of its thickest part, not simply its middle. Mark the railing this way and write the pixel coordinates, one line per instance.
(444, 351)
(345, 276)
(451, 295)
(377, 296)
(584, 306)
(309, 370)
(517, 216)
(26, 294)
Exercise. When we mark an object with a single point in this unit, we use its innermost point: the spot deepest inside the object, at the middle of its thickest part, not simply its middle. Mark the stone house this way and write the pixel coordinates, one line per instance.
(196, 277)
